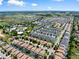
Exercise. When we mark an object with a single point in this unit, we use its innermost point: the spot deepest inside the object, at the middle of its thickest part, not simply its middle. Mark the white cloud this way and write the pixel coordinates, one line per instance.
(50, 8)
(34, 4)
(16, 2)
(1, 2)
(58, 0)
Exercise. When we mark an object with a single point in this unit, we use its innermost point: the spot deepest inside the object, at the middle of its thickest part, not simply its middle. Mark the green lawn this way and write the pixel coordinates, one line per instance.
(74, 57)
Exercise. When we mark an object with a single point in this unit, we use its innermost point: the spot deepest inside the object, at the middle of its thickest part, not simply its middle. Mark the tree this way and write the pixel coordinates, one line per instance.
(14, 57)
(51, 57)
(1, 27)
(13, 33)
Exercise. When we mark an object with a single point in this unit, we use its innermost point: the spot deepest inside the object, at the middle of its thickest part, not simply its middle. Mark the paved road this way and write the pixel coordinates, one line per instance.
(1, 33)
(59, 38)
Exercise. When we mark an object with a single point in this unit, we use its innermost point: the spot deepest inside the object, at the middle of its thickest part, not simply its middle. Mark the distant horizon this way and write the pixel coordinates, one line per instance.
(39, 11)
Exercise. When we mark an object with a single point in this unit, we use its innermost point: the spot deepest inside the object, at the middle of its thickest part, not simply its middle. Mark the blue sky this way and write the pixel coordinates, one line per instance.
(39, 5)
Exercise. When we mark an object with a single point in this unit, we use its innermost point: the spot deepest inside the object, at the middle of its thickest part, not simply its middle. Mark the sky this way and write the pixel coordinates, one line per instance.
(39, 5)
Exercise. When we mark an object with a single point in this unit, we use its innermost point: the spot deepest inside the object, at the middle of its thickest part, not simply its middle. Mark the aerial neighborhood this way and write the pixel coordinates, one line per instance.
(37, 36)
